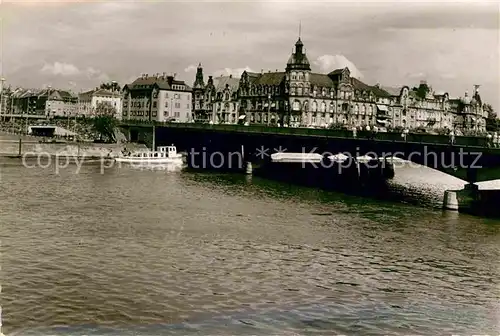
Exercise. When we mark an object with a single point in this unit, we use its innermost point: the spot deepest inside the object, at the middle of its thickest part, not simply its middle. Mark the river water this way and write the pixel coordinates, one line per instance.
(140, 252)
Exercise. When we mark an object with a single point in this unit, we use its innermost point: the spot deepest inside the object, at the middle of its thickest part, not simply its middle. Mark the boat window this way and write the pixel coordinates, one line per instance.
(156, 154)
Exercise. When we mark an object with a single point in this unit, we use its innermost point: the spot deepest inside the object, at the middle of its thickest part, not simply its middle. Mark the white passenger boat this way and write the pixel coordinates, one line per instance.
(164, 155)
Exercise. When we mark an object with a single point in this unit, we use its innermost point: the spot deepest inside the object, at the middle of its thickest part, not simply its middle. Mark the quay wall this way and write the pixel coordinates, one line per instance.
(20, 148)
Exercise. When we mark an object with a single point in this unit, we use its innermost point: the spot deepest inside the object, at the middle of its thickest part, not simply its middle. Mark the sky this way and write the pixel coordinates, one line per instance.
(79, 44)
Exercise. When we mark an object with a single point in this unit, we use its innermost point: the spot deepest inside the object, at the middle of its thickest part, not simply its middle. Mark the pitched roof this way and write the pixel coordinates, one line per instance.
(393, 91)
(320, 80)
(164, 83)
(253, 75)
(221, 82)
(359, 85)
(55, 94)
(270, 78)
(100, 92)
(337, 71)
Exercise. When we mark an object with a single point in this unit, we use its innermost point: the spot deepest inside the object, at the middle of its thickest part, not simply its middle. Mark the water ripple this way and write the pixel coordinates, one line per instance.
(154, 253)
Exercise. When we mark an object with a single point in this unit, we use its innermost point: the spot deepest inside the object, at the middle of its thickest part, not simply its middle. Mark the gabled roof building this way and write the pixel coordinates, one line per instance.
(157, 98)
(299, 97)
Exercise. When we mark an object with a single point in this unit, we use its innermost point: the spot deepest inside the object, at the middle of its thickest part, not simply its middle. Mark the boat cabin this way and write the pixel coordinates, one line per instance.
(170, 150)
(162, 152)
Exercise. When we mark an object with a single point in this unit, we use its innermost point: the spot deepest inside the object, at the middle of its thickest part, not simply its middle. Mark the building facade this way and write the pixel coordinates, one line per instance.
(157, 98)
(47, 103)
(217, 101)
(298, 97)
(94, 102)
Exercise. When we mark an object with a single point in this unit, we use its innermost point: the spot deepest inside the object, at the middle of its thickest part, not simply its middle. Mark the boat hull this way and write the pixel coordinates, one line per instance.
(152, 161)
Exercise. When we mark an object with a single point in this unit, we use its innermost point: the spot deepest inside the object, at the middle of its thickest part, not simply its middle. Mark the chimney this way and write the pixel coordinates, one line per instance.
(230, 75)
(261, 71)
(146, 76)
(175, 74)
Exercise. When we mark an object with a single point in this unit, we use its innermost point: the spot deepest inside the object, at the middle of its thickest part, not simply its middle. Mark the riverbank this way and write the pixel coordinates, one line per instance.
(30, 147)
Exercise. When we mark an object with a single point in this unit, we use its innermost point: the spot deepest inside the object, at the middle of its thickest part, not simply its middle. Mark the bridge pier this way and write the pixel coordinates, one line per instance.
(450, 201)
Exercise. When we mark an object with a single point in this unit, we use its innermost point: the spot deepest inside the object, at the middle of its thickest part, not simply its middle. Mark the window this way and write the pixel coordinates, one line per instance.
(154, 113)
(314, 106)
(177, 105)
(323, 107)
(166, 104)
(187, 106)
(154, 104)
(296, 105)
(165, 113)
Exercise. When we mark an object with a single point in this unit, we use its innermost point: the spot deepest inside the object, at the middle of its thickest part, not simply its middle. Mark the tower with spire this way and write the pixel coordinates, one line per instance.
(199, 82)
(198, 94)
(298, 60)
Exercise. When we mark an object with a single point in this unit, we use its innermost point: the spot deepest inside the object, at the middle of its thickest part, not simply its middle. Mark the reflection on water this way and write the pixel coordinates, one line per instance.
(132, 252)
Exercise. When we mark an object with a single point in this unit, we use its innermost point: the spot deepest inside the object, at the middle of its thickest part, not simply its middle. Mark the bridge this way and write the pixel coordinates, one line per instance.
(469, 158)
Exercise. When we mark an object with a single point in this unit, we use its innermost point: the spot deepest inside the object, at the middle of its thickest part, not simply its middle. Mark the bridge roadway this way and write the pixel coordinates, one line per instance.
(469, 158)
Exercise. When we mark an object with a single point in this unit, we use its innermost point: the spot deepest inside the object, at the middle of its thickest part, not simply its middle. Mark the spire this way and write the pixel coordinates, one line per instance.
(300, 28)
(199, 82)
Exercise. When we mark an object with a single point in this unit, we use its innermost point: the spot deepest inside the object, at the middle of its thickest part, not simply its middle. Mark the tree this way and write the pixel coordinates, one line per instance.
(105, 121)
(112, 86)
(491, 113)
(492, 119)
(422, 90)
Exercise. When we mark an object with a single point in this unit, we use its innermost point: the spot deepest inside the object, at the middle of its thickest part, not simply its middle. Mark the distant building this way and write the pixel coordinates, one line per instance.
(218, 100)
(157, 98)
(298, 97)
(470, 113)
(46, 103)
(420, 108)
(57, 103)
(91, 102)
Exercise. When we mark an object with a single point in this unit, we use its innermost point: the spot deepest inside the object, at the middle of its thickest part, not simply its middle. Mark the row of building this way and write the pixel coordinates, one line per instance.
(49, 103)
(296, 97)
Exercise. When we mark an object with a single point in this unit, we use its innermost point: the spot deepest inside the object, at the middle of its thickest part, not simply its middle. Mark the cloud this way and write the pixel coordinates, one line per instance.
(416, 75)
(191, 68)
(60, 69)
(235, 72)
(328, 63)
(93, 73)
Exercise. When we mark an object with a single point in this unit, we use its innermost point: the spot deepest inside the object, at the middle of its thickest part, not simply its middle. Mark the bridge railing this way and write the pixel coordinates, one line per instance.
(469, 141)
